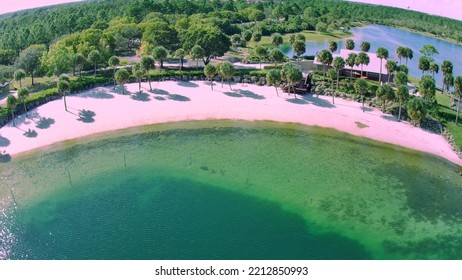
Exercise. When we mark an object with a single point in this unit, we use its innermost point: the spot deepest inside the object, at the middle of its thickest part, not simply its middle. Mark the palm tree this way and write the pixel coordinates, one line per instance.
(332, 74)
(23, 93)
(122, 76)
(273, 78)
(325, 57)
(138, 74)
(11, 103)
(197, 52)
(299, 47)
(434, 69)
(365, 46)
(427, 87)
(293, 76)
(276, 56)
(338, 64)
(361, 88)
(180, 53)
(94, 57)
(448, 81)
(160, 53)
(362, 59)
(458, 92)
(350, 44)
(79, 62)
(401, 53)
(400, 79)
(147, 63)
(63, 88)
(333, 46)
(114, 62)
(19, 75)
(381, 53)
(424, 64)
(209, 71)
(391, 67)
(446, 68)
(226, 71)
(416, 110)
(277, 40)
(408, 54)
(262, 52)
(402, 93)
(351, 61)
(385, 93)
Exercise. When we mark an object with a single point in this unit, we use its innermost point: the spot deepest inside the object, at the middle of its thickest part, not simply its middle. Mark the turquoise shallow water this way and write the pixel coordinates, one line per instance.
(230, 190)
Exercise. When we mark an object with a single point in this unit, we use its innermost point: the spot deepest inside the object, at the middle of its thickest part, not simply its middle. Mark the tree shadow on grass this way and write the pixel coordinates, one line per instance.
(45, 123)
(160, 91)
(250, 94)
(178, 97)
(97, 93)
(30, 133)
(5, 158)
(4, 142)
(86, 116)
(140, 96)
(188, 84)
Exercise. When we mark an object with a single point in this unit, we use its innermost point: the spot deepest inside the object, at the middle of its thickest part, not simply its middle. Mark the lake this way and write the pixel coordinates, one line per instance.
(230, 190)
(391, 38)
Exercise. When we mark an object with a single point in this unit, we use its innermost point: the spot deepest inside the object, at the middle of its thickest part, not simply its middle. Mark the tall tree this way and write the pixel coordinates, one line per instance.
(351, 61)
(391, 67)
(79, 62)
(382, 53)
(114, 62)
(365, 46)
(446, 68)
(402, 94)
(428, 51)
(361, 88)
(226, 71)
(19, 75)
(94, 57)
(160, 53)
(350, 44)
(448, 81)
(147, 63)
(23, 93)
(276, 40)
(29, 60)
(256, 36)
(401, 53)
(210, 71)
(299, 47)
(401, 78)
(122, 76)
(362, 59)
(273, 78)
(385, 93)
(408, 54)
(325, 57)
(262, 52)
(458, 92)
(11, 103)
(293, 75)
(332, 74)
(180, 53)
(63, 88)
(333, 46)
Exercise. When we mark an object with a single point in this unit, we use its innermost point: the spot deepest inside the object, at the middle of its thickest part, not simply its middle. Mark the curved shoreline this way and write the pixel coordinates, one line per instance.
(104, 109)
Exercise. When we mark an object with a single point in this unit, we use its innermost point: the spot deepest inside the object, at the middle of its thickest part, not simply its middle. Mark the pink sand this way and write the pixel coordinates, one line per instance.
(199, 102)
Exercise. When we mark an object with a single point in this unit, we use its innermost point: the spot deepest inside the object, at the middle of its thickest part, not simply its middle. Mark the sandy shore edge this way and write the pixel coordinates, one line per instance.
(106, 109)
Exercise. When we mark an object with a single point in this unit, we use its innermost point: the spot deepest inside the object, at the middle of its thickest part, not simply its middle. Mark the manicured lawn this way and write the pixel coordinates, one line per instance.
(449, 115)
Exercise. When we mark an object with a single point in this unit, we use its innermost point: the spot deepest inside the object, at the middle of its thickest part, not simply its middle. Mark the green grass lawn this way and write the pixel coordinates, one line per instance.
(449, 115)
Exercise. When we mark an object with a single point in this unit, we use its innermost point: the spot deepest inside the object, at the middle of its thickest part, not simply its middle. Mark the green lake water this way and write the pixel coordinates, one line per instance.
(229, 190)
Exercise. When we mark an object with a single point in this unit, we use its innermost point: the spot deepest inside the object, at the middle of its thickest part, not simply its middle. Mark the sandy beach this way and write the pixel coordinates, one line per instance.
(105, 109)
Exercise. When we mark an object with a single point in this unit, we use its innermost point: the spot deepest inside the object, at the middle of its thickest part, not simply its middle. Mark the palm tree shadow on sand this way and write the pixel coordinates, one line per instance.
(160, 91)
(97, 93)
(30, 133)
(86, 116)
(4, 157)
(4, 142)
(44, 123)
(188, 84)
(178, 97)
(140, 96)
